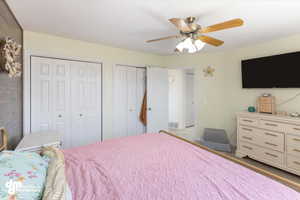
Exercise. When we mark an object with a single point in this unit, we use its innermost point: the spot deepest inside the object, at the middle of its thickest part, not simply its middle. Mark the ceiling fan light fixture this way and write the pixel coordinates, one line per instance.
(199, 44)
(189, 45)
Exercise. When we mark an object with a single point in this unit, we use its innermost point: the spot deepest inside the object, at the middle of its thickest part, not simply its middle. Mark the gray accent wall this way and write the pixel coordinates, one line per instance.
(10, 89)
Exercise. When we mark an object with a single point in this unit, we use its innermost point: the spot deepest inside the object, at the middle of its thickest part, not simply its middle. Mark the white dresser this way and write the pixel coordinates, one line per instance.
(274, 140)
(34, 142)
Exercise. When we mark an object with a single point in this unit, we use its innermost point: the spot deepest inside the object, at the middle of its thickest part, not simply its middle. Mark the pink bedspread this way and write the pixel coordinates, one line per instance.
(160, 167)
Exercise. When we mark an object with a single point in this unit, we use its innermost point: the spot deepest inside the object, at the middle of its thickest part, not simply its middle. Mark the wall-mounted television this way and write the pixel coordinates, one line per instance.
(279, 71)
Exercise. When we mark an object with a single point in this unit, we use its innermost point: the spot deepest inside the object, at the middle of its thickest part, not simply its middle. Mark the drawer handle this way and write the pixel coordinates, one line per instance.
(270, 154)
(247, 129)
(297, 150)
(250, 148)
(247, 138)
(296, 162)
(296, 139)
(268, 124)
(297, 129)
(271, 134)
(247, 120)
(268, 143)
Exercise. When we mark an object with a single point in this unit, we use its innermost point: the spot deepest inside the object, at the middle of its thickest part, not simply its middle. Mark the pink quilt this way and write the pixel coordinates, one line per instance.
(161, 167)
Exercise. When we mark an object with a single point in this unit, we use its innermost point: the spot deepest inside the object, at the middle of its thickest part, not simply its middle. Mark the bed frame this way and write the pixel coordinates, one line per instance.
(4, 139)
(281, 179)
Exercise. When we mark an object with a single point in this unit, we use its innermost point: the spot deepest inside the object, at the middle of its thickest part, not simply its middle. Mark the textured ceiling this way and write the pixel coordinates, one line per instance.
(128, 24)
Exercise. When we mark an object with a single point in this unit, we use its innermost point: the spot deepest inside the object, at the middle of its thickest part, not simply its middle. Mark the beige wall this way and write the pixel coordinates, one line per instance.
(52, 45)
(221, 96)
(218, 98)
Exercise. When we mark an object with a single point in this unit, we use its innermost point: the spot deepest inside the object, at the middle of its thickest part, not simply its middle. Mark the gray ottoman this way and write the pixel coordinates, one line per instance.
(216, 139)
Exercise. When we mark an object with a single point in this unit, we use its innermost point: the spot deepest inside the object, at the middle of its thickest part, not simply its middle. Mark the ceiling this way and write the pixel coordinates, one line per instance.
(128, 24)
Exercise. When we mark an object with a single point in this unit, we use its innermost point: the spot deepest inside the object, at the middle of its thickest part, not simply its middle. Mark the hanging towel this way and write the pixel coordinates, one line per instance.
(143, 113)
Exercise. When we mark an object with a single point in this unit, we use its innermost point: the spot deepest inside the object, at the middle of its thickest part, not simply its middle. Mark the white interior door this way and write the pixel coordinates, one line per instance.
(49, 95)
(86, 103)
(190, 114)
(131, 101)
(61, 100)
(129, 89)
(41, 94)
(66, 98)
(157, 99)
(120, 108)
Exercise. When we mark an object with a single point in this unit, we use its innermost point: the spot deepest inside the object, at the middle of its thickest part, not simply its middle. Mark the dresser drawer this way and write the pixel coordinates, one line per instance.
(271, 125)
(293, 162)
(271, 140)
(272, 156)
(248, 148)
(269, 156)
(293, 140)
(292, 150)
(293, 128)
(248, 134)
(248, 121)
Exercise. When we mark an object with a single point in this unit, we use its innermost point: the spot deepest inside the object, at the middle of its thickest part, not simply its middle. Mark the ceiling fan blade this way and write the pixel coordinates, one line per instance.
(210, 40)
(181, 24)
(224, 25)
(164, 38)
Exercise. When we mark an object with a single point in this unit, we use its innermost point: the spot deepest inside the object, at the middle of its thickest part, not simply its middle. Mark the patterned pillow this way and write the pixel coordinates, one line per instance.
(22, 175)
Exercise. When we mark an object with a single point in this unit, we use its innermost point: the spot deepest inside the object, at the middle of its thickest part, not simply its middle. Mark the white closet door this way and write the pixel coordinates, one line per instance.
(41, 94)
(86, 103)
(50, 92)
(132, 101)
(92, 114)
(129, 88)
(157, 99)
(61, 99)
(120, 105)
(66, 97)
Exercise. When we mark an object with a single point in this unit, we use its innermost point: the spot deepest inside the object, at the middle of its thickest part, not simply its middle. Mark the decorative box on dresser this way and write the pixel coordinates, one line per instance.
(272, 139)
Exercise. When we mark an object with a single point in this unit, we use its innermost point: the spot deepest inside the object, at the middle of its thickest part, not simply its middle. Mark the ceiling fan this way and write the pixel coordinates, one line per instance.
(192, 34)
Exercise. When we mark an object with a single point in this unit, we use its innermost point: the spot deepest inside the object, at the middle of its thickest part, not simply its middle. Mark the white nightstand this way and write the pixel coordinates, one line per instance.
(34, 142)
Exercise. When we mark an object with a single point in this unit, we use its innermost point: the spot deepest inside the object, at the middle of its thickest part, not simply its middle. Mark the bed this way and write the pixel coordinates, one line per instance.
(146, 167)
(164, 167)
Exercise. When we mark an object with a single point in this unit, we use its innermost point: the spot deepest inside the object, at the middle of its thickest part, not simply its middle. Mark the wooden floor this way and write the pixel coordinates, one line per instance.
(187, 135)
(274, 170)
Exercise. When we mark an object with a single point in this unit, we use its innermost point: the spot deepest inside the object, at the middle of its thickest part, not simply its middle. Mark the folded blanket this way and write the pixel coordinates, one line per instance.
(55, 188)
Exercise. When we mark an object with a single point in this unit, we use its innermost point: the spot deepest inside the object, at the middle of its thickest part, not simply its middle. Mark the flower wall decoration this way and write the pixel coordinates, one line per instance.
(9, 54)
(209, 71)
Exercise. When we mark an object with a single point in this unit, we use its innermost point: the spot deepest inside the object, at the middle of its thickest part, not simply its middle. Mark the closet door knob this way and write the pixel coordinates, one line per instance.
(59, 116)
(80, 115)
(149, 109)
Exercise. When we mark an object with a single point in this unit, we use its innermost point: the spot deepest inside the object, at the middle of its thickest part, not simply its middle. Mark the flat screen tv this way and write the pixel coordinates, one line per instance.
(279, 71)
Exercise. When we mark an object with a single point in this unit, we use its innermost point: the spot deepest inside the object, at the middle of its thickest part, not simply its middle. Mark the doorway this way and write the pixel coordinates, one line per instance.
(181, 101)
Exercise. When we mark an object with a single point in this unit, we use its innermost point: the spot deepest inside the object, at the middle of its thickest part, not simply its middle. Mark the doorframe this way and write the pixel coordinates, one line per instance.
(27, 55)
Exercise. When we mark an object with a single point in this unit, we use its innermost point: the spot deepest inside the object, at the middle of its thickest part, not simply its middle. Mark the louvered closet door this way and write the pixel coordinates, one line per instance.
(50, 92)
(86, 103)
